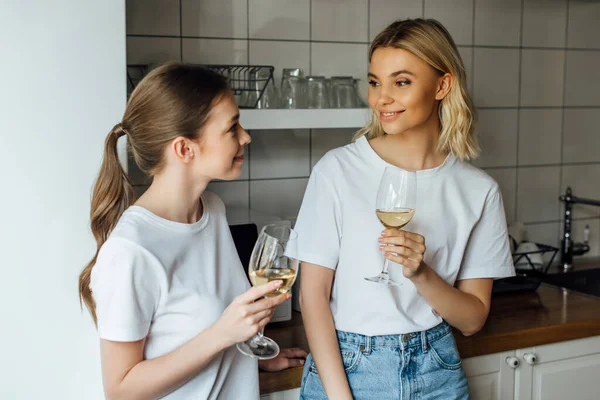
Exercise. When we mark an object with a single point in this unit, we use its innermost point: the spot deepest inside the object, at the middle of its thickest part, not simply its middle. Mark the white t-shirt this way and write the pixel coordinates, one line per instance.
(169, 281)
(459, 212)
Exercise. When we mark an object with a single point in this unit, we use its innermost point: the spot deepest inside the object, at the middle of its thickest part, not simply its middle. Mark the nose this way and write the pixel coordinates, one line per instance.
(383, 97)
(244, 137)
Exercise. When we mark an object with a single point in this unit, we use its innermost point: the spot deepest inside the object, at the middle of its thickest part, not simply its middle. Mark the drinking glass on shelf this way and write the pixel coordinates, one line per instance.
(269, 97)
(317, 94)
(344, 92)
(272, 259)
(293, 92)
(395, 207)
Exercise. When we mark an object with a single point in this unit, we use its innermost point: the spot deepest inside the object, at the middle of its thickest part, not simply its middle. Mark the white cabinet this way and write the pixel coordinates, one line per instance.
(292, 394)
(566, 370)
(491, 377)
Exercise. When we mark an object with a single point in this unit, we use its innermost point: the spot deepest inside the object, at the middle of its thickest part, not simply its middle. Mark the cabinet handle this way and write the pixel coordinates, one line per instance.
(512, 362)
(530, 358)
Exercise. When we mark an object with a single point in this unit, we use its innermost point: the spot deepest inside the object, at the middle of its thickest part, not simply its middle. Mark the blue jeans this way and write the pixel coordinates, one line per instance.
(423, 365)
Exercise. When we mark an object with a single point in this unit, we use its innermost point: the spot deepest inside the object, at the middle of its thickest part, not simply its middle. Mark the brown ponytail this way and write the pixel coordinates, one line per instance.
(112, 195)
(173, 100)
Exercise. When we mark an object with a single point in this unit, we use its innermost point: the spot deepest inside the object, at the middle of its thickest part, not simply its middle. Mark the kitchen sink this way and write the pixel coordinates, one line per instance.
(585, 281)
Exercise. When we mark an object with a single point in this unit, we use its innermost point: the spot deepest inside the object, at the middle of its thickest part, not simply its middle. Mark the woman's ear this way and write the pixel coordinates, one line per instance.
(183, 149)
(444, 86)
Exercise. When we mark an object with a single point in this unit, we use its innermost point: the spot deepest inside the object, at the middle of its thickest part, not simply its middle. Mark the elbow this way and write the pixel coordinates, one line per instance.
(473, 327)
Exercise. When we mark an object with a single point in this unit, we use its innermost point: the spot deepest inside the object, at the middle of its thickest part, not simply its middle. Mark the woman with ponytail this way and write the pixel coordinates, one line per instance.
(165, 287)
(399, 343)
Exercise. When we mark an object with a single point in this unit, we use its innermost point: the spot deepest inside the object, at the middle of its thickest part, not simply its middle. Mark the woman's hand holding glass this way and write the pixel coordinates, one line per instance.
(405, 248)
(249, 313)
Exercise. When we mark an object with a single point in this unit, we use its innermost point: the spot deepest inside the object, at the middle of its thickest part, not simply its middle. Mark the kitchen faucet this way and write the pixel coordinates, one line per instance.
(568, 247)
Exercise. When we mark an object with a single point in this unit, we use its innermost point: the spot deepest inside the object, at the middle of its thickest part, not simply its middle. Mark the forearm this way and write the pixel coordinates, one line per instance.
(462, 310)
(152, 379)
(322, 340)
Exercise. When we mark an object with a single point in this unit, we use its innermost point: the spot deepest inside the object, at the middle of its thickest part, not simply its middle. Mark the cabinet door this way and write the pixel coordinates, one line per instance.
(565, 370)
(292, 394)
(490, 377)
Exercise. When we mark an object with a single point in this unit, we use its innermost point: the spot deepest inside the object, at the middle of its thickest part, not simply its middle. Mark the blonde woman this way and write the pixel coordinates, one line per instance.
(166, 288)
(374, 341)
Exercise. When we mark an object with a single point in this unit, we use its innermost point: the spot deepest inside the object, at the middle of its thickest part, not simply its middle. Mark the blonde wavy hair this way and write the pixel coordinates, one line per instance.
(173, 100)
(431, 42)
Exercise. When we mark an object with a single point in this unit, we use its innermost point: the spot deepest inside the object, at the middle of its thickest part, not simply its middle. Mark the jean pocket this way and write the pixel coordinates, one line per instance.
(350, 353)
(445, 353)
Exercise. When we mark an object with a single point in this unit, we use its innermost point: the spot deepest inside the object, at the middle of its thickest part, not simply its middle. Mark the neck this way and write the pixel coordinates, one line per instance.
(414, 149)
(174, 196)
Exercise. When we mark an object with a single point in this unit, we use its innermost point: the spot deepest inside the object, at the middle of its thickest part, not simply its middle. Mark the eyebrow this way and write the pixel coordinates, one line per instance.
(236, 117)
(393, 74)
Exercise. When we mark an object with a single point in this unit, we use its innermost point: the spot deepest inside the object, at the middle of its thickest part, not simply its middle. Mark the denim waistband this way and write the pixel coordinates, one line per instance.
(403, 341)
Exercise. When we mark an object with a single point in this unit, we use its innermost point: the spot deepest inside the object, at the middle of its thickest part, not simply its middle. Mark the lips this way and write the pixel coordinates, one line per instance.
(387, 116)
(239, 158)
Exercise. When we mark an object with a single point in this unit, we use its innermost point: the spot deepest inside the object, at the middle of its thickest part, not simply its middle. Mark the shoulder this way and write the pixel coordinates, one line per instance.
(336, 160)
(475, 178)
(213, 202)
(120, 258)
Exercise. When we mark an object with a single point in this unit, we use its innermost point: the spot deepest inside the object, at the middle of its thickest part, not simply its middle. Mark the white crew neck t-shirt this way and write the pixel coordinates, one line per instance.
(459, 211)
(169, 281)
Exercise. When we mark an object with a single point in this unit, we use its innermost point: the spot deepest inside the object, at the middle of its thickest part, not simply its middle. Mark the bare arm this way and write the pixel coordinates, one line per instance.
(126, 375)
(316, 284)
(466, 307)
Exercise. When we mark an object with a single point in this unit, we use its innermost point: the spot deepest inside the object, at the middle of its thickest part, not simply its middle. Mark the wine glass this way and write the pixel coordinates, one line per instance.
(395, 207)
(272, 259)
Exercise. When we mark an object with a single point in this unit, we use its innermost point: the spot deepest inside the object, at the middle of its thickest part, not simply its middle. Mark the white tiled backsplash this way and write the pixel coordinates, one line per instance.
(534, 72)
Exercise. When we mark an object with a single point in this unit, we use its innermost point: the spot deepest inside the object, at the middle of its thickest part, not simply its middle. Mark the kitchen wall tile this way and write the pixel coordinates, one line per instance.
(148, 50)
(340, 21)
(544, 233)
(215, 51)
(331, 59)
(288, 150)
(495, 81)
(498, 138)
(152, 17)
(498, 23)
(507, 181)
(580, 137)
(280, 19)
(583, 78)
(456, 16)
(384, 12)
(280, 55)
(584, 28)
(235, 195)
(537, 194)
(278, 197)
(583, 180)
(139, 190)
(542, 76)
(540, 136)
(466, 53)
(323, 140)
(217, 18)
(544, 23)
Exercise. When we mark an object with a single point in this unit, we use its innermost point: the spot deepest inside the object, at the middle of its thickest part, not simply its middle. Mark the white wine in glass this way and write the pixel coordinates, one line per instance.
(395, 207)
(271, 260)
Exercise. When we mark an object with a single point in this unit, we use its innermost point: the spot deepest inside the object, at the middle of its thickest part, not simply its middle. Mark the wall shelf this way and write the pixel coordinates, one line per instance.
(305, 119)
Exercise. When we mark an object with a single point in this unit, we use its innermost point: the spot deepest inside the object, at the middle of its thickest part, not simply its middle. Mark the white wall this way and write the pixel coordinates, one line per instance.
(62, 87)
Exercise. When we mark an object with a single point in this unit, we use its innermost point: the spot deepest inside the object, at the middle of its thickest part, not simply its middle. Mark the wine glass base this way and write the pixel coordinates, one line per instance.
(383, 278)
(262, 349)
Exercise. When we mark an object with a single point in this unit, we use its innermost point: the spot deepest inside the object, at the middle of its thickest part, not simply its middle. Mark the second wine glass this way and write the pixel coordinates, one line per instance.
(395, 207)
(272, 259)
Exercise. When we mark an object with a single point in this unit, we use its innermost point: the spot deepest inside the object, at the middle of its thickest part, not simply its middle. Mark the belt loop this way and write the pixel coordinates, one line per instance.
(424, 343)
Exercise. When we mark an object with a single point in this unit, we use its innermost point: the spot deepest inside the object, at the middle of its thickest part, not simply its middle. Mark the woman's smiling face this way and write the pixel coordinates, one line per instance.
(402, 89)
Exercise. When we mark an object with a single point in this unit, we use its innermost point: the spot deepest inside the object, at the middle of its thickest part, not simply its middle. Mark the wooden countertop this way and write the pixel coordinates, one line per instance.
(516, 321)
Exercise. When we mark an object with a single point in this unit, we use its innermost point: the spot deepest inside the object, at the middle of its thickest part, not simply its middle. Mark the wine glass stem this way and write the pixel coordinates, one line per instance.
(385, 267)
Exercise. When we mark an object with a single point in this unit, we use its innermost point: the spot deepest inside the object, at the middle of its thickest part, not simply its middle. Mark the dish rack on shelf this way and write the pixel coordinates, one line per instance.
(247, 84)
(528, 278)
